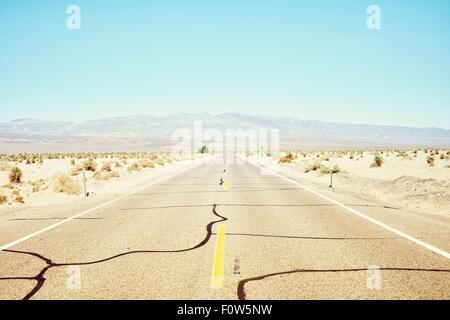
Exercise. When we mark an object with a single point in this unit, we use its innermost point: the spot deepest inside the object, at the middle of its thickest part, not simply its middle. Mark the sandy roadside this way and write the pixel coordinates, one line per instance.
(406, 182)
(38, 182)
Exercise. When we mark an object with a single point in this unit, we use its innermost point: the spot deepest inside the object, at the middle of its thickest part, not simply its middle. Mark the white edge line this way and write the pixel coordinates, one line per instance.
(34, 234)
(361, 215)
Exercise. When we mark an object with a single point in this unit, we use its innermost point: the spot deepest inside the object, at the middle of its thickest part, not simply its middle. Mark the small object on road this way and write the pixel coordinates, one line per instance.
(221, 181)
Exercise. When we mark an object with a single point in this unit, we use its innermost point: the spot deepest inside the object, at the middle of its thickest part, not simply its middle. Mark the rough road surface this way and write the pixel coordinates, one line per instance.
(281, 242)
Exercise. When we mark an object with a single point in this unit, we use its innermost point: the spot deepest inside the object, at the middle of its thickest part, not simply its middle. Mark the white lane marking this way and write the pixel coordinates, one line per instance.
(34, 234)
(361, 215)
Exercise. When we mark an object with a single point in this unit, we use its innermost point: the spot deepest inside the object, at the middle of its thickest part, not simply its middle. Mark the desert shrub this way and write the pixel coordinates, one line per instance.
(203, 149)
(324, 169)
(147, 163)
(105, 175)
(8, 186)
(90, 165)
(161, 162)
(377, 162)
(134, 167)
(106, 166)
(15, 175)
(19, 199)
(37, 185)
(76, 170)
(336, 169)
(3, 198)
(118, 164)
(312, 167)
(72, 162)
(430, 161)
(442, 157)
(101, 175)
(287, 158)
(65, 184)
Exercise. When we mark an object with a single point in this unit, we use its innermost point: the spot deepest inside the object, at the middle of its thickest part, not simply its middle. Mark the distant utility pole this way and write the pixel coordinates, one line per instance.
(84, 183)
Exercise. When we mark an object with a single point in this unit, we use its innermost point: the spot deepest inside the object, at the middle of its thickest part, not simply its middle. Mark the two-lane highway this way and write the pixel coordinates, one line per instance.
(279, 241)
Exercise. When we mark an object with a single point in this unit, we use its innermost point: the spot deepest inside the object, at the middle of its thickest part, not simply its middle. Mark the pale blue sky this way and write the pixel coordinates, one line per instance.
(305, 59)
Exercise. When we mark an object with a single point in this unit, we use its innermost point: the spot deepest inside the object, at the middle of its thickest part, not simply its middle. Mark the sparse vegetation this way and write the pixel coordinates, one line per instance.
(65, 184)
(203, 149)
(430, 161)
(105, 175)
(377, 161)
(288, 158)
(76, 170)
(134, 167)
(336, 169)
(90, 165)
(146, 164)
(106, 166)
(15, 175)
(312, 167)
(8, 186)
(3, 198)
(17, 197)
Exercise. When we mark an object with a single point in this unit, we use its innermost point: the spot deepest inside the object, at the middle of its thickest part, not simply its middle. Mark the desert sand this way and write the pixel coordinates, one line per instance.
(418, 180)
(56, 179)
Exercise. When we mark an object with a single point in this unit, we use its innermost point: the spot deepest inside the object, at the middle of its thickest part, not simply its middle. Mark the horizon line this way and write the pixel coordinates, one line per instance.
(224, 113)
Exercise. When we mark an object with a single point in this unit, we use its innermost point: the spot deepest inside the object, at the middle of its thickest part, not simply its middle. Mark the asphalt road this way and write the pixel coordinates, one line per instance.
(280, 242)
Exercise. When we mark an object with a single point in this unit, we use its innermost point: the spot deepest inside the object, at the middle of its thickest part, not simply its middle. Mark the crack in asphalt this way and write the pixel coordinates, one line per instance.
(40, 277)
(241, 292)
(242, 295)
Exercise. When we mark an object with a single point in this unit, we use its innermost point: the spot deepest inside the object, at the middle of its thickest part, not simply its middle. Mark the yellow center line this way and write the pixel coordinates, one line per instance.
(219, 259)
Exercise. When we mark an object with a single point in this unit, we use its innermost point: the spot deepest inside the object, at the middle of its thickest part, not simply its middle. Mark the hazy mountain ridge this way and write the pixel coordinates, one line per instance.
(152, 129)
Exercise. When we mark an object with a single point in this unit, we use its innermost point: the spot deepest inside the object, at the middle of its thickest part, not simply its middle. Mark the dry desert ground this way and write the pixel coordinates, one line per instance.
(417, 179)
(40, 180)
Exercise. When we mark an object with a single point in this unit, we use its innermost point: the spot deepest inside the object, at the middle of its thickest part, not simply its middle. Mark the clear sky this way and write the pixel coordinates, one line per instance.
(305, 59)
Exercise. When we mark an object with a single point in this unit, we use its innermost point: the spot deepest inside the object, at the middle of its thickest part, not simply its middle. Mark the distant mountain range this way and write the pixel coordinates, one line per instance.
(145, 131)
